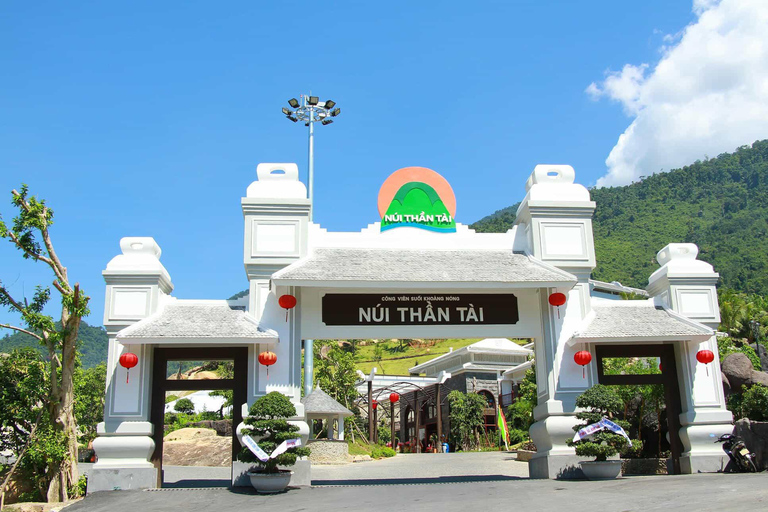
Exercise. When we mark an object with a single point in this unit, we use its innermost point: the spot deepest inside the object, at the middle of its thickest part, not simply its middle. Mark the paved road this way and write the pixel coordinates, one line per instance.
(716, 492)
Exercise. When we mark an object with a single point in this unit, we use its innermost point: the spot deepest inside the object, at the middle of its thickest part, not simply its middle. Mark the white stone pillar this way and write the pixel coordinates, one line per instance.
(341, 428)
(330, 427)
(137, 286)
(688, 286)
(554, 225)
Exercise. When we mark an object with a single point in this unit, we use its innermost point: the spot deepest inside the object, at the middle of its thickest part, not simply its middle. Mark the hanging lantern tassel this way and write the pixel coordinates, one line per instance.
(128, 361)
(267, 359)
(706, 357)
(287, 302)
(557, 300)
(582, 358)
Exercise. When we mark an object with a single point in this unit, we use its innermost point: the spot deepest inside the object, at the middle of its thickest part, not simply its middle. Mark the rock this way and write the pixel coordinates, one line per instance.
(738, 368)
(762, 353)
(222, 427)
(196, 447)
(755, 437)
(328, 451)
(759, 378)
(726, 385)
(39, 507)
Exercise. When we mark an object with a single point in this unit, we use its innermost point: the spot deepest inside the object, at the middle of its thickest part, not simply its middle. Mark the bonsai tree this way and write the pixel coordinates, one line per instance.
(267, 424)
(184, 406)
(601, 402)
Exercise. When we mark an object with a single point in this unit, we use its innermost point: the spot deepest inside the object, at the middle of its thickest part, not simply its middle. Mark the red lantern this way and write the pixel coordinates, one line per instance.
(582, 358)
(128, 361)
(557, 300)
(394, 397)
(706, 357)
(267, 359)
(374, 404)
(287, 302)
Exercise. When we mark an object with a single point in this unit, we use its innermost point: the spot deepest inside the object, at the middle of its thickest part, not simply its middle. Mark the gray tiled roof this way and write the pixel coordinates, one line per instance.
(319, 402)
(435, 266)
(197, 319)
(638, 319)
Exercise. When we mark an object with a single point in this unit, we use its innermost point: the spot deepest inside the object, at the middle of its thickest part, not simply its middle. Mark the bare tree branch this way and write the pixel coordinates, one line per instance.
(8, 326)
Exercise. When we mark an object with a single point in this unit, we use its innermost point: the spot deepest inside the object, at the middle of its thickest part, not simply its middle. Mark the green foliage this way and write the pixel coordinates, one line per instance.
(751, 404)
(23, 391)
(267, 424)
(185, 406)
(171, 398)
(92, 343)
(90, 385)
(380, 452)
(520, 415)
(720, 204)
(727, 346)
(48, 447)
(597, 402)
(517, 435)
(466, 413)
(335, 372)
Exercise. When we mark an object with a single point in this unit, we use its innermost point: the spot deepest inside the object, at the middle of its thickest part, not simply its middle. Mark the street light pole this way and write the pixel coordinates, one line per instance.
(310, 110)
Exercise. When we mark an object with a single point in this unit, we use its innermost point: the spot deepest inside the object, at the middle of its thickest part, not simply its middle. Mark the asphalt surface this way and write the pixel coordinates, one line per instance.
(441, 482)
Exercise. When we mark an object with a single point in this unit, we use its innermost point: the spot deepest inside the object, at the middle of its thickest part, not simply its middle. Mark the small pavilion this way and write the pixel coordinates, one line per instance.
(318, 405)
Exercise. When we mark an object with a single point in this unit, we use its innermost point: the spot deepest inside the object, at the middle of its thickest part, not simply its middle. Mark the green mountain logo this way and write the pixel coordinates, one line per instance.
(417, 205)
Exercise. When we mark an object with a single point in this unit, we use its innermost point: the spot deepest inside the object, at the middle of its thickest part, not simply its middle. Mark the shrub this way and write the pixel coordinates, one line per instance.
(380, 452)
(517, 435)
(600, 401)
(267, 424)
(727, 346)
(466, 415)
(520, 414)
(184, 405)
(752, 404)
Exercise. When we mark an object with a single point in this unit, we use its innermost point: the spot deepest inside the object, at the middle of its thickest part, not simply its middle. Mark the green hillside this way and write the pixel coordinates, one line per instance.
(93, 344)
(720, 204)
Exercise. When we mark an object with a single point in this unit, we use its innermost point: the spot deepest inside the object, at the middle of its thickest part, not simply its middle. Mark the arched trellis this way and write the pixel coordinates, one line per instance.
(414, 396)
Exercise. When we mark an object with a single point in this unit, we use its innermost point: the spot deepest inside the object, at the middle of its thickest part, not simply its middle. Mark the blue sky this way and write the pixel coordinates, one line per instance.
(149, 118)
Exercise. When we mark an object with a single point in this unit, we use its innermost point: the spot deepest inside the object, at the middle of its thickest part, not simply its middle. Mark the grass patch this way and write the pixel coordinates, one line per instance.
(358, 448)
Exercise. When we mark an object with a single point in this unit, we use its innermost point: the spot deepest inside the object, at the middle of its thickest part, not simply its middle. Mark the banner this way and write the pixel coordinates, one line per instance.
(262, 455)
(503, 430)
(604, 423)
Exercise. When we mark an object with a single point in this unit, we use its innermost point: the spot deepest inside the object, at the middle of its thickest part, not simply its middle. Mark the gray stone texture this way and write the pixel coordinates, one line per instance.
(739, 370)
(762, 353)
(632, 319)
(328, 451)
(121, 479)
(755, 437)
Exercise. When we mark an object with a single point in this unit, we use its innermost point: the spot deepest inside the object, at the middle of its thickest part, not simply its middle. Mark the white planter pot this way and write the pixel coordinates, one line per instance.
(270, 483)
(601, 470)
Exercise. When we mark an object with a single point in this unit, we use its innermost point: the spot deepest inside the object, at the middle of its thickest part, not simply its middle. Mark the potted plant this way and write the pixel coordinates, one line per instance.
(600, 402)
(267, 425)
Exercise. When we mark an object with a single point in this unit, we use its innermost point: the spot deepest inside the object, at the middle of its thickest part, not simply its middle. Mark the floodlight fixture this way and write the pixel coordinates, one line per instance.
(309, 110)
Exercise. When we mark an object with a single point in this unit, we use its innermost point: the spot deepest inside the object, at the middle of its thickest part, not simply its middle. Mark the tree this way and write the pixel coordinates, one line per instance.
(466, 413)
(597, 402)
(23, 383)
(335, 372)
(184, 406)
(267, 424)
(89, 400)
(29, 233)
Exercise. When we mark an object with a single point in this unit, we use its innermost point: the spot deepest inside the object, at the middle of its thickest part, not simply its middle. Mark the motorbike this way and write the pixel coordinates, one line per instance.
(743, 461)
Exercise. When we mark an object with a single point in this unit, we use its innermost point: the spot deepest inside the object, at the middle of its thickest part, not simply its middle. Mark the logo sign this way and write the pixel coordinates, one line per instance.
(417, 197)
(414, 309)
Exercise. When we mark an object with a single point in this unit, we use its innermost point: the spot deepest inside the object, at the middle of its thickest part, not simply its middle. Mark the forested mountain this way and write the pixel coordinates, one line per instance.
(92, 346)
(720, 204)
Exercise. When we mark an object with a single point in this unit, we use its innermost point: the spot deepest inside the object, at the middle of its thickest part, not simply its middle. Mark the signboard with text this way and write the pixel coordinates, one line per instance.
(419, 309)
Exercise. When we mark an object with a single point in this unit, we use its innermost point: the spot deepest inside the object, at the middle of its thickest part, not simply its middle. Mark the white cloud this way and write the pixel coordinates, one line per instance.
(708, 94)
